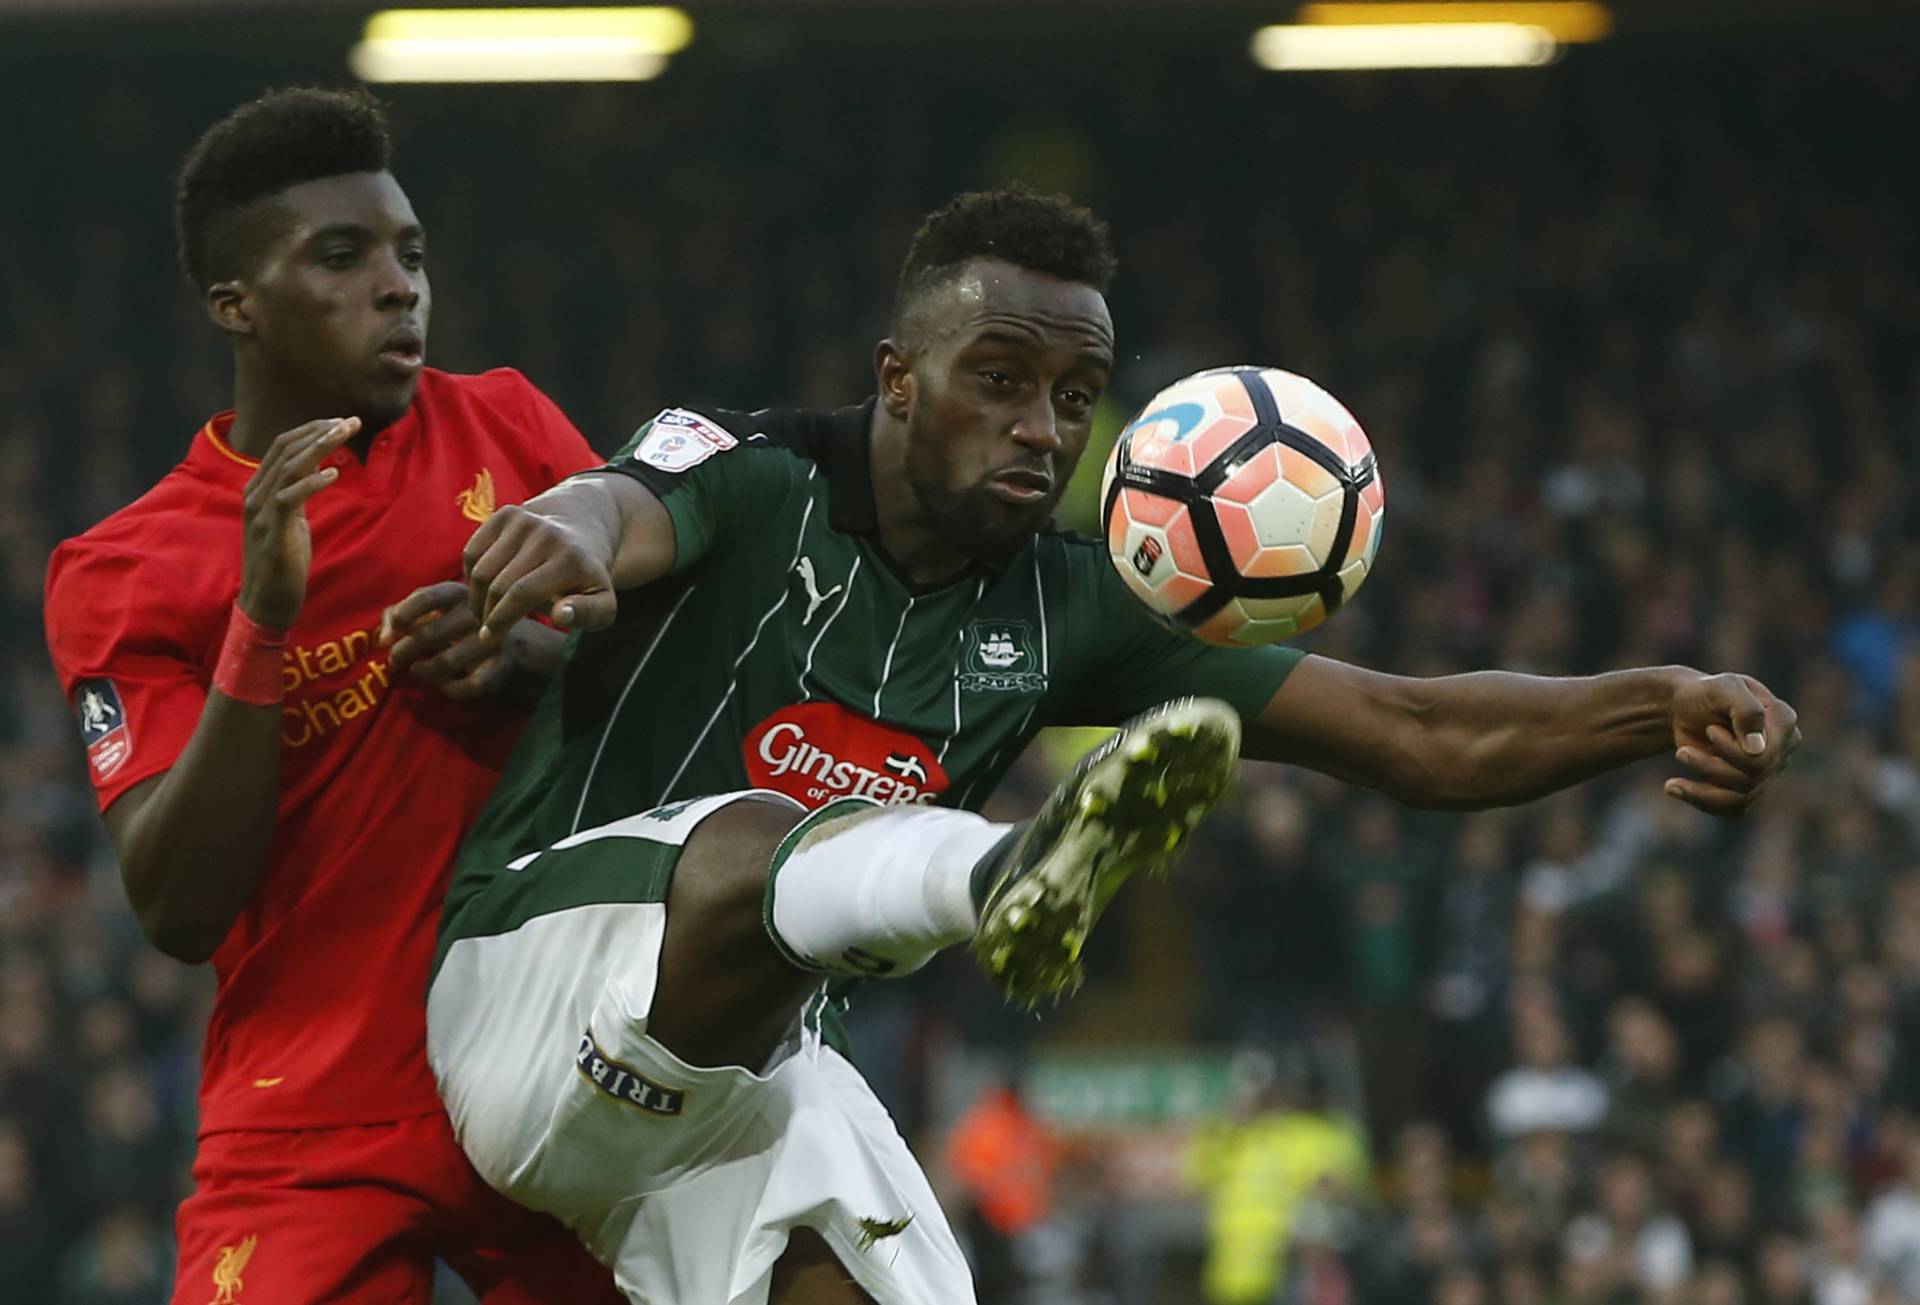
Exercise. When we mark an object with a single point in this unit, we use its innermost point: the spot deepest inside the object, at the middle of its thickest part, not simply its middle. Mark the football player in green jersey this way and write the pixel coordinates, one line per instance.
(817, 640)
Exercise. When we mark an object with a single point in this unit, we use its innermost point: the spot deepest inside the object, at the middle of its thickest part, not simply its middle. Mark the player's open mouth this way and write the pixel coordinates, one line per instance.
(1021, 487)
(403, 352)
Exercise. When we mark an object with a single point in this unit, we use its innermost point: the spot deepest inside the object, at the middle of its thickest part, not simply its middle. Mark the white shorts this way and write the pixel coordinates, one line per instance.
(686, 1181)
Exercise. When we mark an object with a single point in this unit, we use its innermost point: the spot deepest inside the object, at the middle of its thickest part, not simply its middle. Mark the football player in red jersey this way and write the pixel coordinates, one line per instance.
(282, 801)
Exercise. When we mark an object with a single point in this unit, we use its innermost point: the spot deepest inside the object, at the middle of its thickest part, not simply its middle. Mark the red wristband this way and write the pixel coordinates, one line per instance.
(249, 666)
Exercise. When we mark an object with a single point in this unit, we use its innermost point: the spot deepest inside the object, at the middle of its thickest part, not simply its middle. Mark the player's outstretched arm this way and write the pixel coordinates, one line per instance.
(567, 552)
(192, 842)
(1492, 738)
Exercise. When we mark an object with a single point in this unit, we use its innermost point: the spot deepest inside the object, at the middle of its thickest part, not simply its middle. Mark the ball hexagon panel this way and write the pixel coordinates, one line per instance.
(1305, 406)
(1220, 627)
(1255, 631)
(1260, 469)
(1304, 612)
(1367, 522)
(1350, 577)
(1281, 563)
(1303, 471)
(1285, 514)
(1249, 542)
(1374, 496)
(1153, 547)
(1190, 424)
(1250, 622)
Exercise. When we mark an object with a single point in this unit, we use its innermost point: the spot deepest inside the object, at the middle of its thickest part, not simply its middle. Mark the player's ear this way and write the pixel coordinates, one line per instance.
(893, 368)
(228, 307)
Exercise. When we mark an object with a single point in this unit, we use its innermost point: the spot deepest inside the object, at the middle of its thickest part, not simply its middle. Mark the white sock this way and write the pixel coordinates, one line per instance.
(878, 892)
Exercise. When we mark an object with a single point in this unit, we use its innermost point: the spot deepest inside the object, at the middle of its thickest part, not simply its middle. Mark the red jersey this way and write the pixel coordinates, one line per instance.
(319, 1017)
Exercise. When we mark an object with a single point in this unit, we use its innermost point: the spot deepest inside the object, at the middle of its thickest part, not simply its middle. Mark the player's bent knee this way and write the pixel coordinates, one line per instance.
(809, 1273)
(726, 858)
(725, 995)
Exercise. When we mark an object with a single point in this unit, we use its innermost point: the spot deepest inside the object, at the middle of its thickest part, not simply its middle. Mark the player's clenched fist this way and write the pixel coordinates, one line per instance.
(278, 547)
(525, 560)
(1734, 735)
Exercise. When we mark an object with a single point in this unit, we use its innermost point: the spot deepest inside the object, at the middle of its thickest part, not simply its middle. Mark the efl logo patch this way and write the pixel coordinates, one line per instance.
(625, 1085)
(103, 727)
(681, 440)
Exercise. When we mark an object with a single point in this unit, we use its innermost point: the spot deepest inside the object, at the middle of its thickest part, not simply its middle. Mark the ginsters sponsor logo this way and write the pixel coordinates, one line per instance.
(819, 751)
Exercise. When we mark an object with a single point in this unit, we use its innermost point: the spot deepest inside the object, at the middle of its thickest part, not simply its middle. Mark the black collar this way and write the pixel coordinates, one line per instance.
(849, 468)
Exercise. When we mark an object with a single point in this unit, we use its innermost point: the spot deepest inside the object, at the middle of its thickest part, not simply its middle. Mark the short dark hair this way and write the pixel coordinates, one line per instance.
(263, 147)
(1042, 233)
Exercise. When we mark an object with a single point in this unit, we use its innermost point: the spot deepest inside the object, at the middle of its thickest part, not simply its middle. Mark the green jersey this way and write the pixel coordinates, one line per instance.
(785, 652)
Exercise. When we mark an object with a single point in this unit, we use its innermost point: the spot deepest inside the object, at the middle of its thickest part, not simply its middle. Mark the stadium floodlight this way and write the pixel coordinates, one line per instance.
(520, 45)
(1304, 48)
(1571, 22)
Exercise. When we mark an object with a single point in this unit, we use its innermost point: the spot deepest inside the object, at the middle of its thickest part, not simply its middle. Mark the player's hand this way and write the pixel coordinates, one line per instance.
(1734, 735)
(432, 637)
(522, 561)
(278, 546)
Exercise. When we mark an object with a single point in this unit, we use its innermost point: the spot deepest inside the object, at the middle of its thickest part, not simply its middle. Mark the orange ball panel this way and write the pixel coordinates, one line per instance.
(1186, 546)
(1252, 476)
(1287, 560)
(1236, 523)
(1303, 471)
(1150, 509)
(1374, 496)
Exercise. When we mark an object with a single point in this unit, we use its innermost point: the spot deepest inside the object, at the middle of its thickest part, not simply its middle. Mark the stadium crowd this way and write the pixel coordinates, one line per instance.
(1638, 354)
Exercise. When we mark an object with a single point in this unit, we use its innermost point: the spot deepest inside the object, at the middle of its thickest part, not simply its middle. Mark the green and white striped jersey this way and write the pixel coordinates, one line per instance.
(785, 652)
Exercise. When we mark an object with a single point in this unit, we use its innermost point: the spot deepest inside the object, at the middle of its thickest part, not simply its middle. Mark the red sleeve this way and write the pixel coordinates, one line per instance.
(558, 448)
(129, 670)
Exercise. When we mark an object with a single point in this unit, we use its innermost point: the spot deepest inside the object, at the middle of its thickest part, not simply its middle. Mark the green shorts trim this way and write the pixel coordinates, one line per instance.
(630, 860)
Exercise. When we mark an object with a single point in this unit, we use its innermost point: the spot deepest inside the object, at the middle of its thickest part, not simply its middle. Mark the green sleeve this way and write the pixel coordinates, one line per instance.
(713, 486)
(1135, 662)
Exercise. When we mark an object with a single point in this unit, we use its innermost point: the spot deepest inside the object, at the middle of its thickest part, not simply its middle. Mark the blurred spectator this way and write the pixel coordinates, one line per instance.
(118, 1261)
(1005, 1161)
(27, 1229)
(1643, 1060)
(1285, 1167)
(1625, 1242)
(1545, 1091)
(1892, 1230)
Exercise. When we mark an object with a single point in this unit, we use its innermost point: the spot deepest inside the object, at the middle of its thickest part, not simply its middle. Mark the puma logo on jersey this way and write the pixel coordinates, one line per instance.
(814, 596)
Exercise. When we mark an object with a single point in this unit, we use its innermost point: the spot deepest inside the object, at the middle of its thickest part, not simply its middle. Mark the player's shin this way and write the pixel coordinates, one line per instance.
(875, 891)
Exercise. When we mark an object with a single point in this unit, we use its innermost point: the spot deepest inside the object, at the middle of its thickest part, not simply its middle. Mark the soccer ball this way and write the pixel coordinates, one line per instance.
(1242, 505)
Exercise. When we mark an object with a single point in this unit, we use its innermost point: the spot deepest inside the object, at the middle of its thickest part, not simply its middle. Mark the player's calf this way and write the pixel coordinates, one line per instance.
(764, 901)
(725, 994)
(874, 892)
